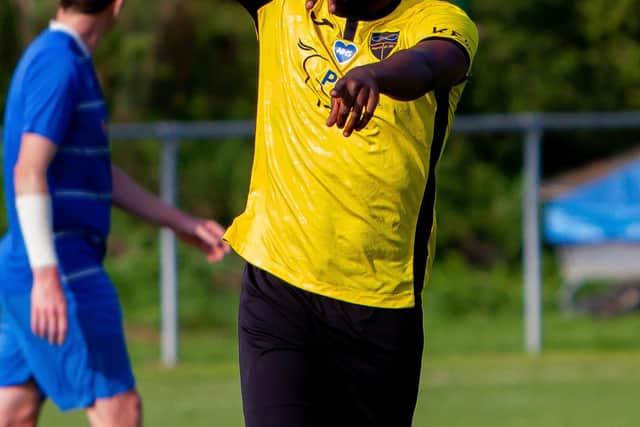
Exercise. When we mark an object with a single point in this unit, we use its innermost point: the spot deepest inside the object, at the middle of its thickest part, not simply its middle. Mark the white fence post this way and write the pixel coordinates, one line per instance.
(168, 256)
(532, 260)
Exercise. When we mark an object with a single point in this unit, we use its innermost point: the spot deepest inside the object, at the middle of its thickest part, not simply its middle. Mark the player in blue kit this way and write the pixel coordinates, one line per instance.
(61, 332)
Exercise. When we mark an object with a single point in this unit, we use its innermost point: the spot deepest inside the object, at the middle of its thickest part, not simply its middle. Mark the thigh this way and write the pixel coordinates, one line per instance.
(93, 362)
(374, 361)
(20, 404)
(275, 370)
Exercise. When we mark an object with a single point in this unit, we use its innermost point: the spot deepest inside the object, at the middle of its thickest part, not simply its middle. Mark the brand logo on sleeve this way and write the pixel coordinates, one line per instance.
(448, 33)
(382, 44)
(344, 51)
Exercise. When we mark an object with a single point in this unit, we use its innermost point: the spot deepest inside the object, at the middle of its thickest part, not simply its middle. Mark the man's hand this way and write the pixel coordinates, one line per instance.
(354, 98)
(331, 3)
(205, 235)
(48, 306)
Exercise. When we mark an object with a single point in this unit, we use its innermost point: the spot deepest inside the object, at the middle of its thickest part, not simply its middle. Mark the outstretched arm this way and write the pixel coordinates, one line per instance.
(206, 235)
(405, 75)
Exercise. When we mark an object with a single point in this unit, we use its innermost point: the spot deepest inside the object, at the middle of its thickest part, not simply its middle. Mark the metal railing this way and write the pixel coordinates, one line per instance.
(532, 126)
(171, 133)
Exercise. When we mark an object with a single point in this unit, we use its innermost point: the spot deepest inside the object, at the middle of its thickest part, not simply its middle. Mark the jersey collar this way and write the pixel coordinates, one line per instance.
(372, 16)
(59, 26)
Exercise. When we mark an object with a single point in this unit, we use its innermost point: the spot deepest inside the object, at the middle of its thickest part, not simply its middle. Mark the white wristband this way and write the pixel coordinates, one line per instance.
(34, 214)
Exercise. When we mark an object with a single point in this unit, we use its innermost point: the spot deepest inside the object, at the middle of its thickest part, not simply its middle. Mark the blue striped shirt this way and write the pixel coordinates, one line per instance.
(55, 93)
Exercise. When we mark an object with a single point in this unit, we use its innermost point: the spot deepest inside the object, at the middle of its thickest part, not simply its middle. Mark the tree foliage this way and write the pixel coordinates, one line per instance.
(197, 60)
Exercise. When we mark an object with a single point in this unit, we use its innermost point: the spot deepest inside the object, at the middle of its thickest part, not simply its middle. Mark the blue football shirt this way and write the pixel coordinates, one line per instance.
(55, 93)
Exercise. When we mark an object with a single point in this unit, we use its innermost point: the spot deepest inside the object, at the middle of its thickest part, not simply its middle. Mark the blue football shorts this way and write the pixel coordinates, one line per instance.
(93, 362)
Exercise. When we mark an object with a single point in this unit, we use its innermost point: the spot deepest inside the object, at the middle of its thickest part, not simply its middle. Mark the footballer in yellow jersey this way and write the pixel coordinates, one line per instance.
(345, 218)
(355, 102)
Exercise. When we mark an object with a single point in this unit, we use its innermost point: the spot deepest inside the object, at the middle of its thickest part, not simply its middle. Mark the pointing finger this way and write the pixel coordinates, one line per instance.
(343, 114)
(372, 104)
(335, 109)
(339, 89)
(356, 112)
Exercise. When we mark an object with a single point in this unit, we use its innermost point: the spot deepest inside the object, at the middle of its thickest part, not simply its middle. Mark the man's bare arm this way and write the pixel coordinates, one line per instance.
(405, 75)
(204, 234)
(33, 203)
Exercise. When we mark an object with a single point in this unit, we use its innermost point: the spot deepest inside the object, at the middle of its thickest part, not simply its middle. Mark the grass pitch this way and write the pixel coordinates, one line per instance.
(474, 376)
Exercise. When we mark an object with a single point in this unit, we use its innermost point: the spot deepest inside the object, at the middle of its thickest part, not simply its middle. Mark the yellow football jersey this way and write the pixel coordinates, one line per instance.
(348, 218)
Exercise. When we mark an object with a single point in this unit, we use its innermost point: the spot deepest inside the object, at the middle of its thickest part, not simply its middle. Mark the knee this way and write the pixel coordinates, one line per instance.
(19, 407)
(124, 410)
(130, 413)
(24, 414)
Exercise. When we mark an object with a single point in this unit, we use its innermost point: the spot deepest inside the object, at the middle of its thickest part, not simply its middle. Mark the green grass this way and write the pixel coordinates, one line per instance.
(475, 375)
(507, 390)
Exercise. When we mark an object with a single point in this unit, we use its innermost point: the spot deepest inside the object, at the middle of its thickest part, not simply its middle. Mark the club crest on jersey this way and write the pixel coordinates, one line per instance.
(344, 51)
(382, 44)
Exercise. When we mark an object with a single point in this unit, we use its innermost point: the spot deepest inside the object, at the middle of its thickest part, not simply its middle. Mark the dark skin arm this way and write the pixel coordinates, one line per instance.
(406, 75)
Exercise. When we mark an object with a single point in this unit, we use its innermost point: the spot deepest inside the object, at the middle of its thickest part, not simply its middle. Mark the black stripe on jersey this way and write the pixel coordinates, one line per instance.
(425, 217)
(350, 28)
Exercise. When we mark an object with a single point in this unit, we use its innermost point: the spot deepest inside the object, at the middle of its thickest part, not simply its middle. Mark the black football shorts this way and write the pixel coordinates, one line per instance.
(311, 361)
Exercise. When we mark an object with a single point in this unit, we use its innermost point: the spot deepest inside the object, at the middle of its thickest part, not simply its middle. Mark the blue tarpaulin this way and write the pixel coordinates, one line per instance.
(602, 211)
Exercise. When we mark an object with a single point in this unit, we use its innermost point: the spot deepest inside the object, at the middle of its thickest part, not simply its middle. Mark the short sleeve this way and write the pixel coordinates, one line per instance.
(50, 95)
(443, 20)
